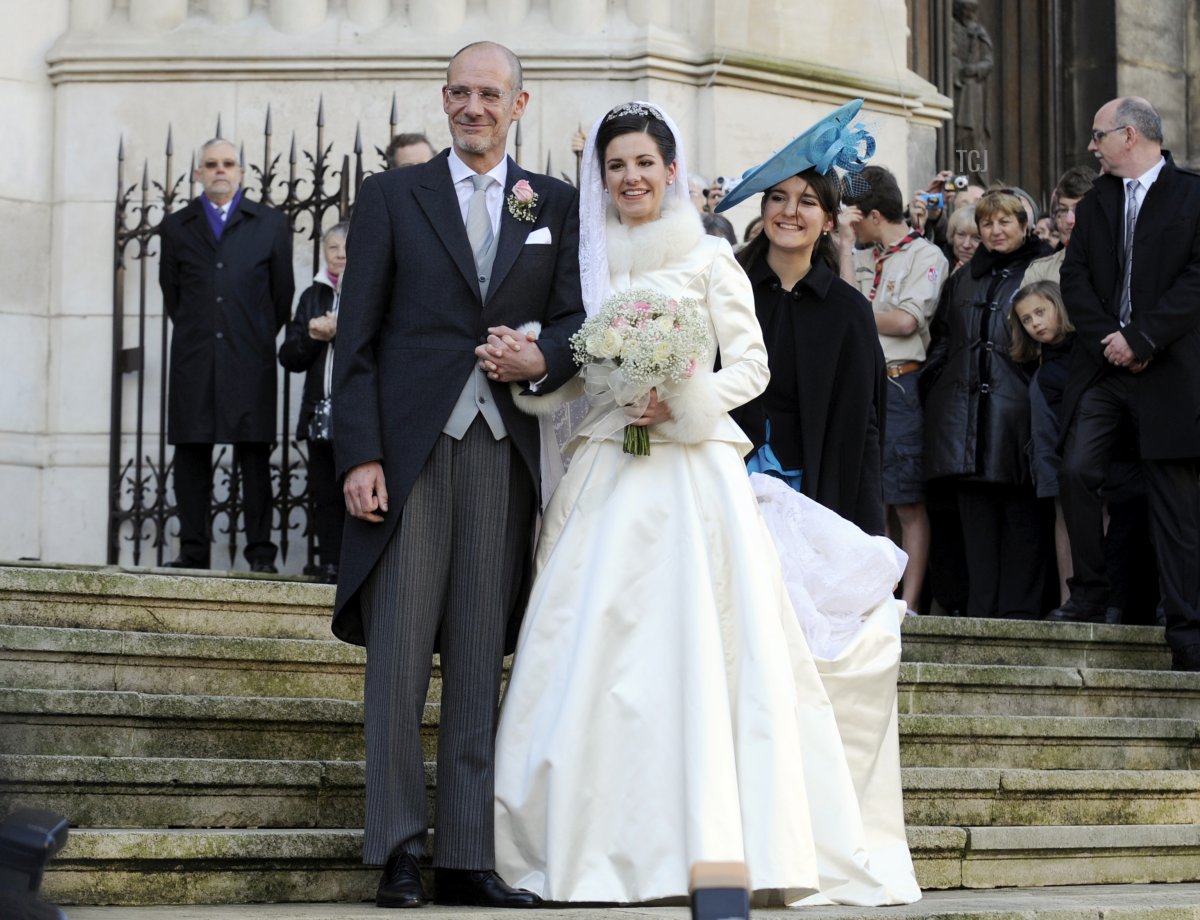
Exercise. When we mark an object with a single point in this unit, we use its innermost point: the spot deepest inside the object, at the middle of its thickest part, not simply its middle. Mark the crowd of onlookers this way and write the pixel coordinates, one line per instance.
(972, 490)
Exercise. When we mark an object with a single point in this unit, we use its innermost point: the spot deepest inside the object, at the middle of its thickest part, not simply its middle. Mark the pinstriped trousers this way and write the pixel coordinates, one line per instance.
(452, 565)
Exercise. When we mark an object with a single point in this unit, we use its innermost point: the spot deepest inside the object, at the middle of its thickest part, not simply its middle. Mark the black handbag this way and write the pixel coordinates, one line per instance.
(320, 423)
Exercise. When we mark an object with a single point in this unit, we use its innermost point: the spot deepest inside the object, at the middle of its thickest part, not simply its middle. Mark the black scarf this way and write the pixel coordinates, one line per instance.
(985, 260)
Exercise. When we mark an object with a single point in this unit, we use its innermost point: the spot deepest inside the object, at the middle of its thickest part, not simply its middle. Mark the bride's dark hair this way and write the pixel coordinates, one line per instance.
(829, 194)
(632, 118)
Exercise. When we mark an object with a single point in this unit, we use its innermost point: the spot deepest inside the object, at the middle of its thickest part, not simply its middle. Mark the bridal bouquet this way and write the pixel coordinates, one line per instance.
(637, 341)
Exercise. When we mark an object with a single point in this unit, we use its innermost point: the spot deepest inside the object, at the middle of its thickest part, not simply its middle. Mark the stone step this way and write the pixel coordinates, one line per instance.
(128, 724)
(965, 640)
(966, 689)
(1049, 742)
(60, 658)
(159, 601)
(957, 796)
(239, 604)
(1180, 901)
(132, 792)
(1015, 857)
(150, 792)
(126, 867)
(112, 866)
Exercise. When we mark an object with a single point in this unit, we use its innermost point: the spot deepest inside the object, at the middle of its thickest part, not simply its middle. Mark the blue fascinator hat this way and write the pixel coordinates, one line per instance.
(833, 142)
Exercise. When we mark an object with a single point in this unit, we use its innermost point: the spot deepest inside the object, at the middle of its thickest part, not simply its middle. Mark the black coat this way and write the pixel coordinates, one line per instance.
(1165, 285)
(301, 352)
(227, 301)
(410, 319)
(840, 376)
(976, 397)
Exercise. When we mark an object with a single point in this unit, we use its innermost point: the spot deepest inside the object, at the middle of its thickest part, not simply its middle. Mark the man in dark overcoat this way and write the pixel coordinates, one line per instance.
(441, 470)
(227, 284)
(1131, 282)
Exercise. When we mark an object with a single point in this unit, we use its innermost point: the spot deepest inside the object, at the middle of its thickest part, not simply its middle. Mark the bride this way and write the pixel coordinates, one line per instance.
(664, 707)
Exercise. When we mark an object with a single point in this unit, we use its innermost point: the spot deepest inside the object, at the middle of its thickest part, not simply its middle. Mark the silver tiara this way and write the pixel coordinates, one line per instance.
(631, 108)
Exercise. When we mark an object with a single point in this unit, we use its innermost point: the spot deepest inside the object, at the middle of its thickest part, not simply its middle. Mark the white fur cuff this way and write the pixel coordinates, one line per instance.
(532, 404)
(694, 411)
(533, 327)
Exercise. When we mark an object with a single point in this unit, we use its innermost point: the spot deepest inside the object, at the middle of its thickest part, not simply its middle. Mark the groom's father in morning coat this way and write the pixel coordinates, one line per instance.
(1131, 282)
(441, 469)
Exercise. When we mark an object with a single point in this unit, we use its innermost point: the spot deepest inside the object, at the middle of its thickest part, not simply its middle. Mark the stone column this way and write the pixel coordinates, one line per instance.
(294, 16)
(507, 12)
(368, 13)
(437, 17)
(157, 15)
(227, 12)
(89, 15)
(578, 16)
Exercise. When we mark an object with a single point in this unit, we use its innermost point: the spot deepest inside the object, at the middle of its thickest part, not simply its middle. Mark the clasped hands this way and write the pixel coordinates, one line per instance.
(1118, 352)
(510, 356)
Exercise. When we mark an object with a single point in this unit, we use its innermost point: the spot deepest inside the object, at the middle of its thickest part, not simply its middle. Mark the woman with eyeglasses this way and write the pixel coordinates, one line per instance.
(977, 416)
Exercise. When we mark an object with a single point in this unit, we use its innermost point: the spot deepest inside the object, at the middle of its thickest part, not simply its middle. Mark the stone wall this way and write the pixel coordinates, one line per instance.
(1158, 57)
(741, 77)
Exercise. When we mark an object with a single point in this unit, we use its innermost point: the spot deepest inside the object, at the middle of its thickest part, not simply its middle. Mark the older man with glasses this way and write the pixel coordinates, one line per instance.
(1131, 281)
(446, 259)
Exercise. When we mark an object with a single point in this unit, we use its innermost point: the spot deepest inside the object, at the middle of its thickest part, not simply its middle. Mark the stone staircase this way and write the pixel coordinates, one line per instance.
(204, 737)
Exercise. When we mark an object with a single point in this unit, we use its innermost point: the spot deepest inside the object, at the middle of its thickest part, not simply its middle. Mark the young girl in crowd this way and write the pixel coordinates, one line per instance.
(1042, 331)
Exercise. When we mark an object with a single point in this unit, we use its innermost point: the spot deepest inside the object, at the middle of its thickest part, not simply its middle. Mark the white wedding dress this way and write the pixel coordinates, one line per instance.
(665, 707)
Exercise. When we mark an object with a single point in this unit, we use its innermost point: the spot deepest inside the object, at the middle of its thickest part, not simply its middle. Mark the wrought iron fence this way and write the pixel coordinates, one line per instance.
(141, 506)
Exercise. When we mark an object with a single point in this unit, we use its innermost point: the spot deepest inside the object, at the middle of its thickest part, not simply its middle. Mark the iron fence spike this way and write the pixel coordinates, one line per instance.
(267, 128)
(358, 138)
(170, 139)
(218, 131)
(321, 111)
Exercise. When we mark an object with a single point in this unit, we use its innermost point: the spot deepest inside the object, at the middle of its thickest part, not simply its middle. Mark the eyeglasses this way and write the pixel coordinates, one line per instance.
(460, 95)
(1098, 136)
(213, 164)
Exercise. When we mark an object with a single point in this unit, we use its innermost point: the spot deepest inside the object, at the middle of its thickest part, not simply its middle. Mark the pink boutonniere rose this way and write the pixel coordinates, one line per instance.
(522, 201)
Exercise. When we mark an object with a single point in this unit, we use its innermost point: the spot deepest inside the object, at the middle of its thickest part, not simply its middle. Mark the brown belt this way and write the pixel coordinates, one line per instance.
(899, 370)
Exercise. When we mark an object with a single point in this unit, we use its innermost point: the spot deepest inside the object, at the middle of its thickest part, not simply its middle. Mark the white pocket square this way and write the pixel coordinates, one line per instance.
(539, 236)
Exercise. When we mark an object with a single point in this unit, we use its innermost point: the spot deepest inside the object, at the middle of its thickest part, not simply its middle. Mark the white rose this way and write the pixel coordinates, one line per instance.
(611, 343)
(665, 323)
(662, 353)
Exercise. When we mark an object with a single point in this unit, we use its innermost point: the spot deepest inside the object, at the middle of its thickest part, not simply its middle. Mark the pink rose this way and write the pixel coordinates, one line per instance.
(522, 192)
(642, 307)
(691, 368)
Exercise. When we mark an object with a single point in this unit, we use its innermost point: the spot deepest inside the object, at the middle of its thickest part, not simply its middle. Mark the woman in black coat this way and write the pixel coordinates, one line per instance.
(977, 412)
(308, 347)
(824, 403)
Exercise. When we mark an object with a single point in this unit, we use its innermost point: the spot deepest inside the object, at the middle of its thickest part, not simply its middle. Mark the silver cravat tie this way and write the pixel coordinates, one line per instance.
(479, 223)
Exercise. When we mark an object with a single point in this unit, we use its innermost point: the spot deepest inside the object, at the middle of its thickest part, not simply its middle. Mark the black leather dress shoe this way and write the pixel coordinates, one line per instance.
(264, 568)
(1186, 658)
(401, 883)
(482, 888)
(1076, 612)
